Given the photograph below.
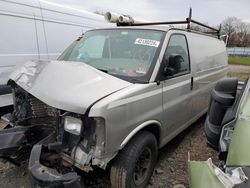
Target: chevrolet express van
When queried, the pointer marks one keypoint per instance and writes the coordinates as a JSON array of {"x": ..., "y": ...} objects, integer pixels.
[
  {"x": 37, "y": 29},
  {"x": 112, "y": 99}
]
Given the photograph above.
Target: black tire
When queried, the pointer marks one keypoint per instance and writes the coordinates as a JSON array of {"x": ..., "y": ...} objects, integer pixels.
[{"x": 126, "y": 168}]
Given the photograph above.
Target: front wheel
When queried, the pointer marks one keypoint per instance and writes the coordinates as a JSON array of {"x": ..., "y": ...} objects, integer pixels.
[{"x": 134, "y": 165}]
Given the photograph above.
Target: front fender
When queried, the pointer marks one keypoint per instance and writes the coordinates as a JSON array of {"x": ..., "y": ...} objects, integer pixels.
[{"x": 139, "y": 128}]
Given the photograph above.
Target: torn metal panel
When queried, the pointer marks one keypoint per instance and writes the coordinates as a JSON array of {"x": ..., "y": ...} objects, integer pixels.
[
  {"x": 11, "y": 140},
  {"x": 16, "y": 143},
  {"x": 206, "y": 175},
  {"x": 201, "y": 174},
  {"x": 246, "y": 184},
  {"x": 237, "y": 175},
  {"x": 71, "y": 86}
]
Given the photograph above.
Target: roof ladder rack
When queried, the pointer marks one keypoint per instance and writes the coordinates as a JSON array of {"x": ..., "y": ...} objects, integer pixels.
[{"x": 188, "y": 21}]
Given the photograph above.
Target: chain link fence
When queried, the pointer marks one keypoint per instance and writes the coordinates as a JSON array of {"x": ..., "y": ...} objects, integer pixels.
[{"x": 239, "y": 51}]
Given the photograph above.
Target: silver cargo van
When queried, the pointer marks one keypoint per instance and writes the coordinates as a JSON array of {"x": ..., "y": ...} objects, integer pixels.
[
  {"x": 113, "y": 98},
  {"x": 37, "y": 29}
]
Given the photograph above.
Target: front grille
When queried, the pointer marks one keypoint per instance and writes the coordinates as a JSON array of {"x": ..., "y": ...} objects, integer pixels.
[
  {"x": 40, "y": 109},
  {"x": 30, "y": 109}
]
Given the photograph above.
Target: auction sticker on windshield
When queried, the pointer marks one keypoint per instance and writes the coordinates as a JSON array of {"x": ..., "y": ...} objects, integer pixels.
[{"x": 147, "y": 42}]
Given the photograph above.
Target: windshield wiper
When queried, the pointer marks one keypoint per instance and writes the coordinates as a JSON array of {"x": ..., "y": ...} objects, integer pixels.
[
  {"x": 139, "y": 81},
  {"x": 103, "y": 70}
]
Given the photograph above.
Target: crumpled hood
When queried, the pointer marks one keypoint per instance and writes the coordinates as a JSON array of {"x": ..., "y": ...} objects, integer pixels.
[{"x": 71, "y": 86}]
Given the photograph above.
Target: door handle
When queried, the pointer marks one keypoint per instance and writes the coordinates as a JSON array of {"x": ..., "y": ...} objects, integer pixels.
[{"x": 192, "y": 83}]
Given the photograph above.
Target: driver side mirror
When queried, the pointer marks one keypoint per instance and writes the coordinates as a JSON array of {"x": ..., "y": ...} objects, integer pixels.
[
  {"x": 169, "y": 71},
  {"x": 173, "y": 65}
]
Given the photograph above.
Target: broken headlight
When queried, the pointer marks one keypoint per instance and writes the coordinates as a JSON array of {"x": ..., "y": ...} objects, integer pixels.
[{"x": 73, "y": 125}]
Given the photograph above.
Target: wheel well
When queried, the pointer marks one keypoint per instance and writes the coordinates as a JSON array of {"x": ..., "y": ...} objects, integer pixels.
[
  {"x": 155, "y": 130},
  {"x": 152, "y": 128}
]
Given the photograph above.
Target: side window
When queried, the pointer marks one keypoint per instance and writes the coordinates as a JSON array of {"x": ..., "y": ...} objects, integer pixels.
[{"x": 177, "y": 47}]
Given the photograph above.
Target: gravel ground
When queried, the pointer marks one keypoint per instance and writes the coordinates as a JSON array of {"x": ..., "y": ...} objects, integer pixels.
[
  {"x": 239, "y": 68},
  {"x": 240, "y": 71},
  {"x": 170, "y": 171}
]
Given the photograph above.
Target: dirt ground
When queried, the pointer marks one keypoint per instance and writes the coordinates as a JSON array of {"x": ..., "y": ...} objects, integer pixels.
[
  {"x": 240, "y": 71},
  {"x": 171, "y": 168},
  {"x": 170, "y": 171},
  {"x": 239, "y": 68}
]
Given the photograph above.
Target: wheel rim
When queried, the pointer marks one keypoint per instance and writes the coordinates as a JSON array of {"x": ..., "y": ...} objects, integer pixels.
[{"x": 142, "y": 166}]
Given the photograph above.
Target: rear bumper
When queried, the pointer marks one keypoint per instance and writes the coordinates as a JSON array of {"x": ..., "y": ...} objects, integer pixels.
[{"x": 48, "y": 177}]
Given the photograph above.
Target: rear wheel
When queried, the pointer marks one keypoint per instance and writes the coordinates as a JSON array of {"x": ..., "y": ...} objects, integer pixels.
[{"x": 134, "y": 165}]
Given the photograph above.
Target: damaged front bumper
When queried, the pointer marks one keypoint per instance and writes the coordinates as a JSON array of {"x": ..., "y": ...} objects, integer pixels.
[
  {"x": 43, "y": 133},
  {"x": 35, "y": 142},
  {"x": 16, "y": 143},
  {"x": 48, "y": 177}
]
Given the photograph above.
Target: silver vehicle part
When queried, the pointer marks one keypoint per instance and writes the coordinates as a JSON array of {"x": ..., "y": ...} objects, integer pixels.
[{"x": 34, "y": 77}]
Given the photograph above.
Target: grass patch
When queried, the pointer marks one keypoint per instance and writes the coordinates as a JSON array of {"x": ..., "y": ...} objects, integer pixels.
[{"x": 239, "y": 60}]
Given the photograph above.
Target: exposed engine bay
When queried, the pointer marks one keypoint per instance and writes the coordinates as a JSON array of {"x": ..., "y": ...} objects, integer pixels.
[{"x": 55, "y": 141}]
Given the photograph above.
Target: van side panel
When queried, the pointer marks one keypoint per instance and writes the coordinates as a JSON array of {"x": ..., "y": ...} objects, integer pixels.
[
  {"x": 206, "y": 52},
  {"x": 18, "y": 37},
  {"x": 209, "y": 64},
  {"x": 63, "y": 25}
]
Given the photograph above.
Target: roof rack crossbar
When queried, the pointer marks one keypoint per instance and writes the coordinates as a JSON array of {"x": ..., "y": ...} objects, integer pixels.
[
  {"x": 188, "y": 21},
  {"x": 203, "y": 25},
  {"x": 160, "y": 23},
  {"x": 211, "y": 32}
]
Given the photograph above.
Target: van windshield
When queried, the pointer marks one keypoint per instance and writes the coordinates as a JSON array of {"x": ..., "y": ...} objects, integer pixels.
[{"x": 124, "y": 53}]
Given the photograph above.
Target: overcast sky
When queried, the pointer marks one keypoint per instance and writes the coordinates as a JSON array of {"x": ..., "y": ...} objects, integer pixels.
[{"x": 209, "y": 11}]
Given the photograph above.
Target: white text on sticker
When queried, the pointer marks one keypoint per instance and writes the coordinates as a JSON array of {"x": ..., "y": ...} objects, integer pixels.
[{"x": 147, "y": 42}]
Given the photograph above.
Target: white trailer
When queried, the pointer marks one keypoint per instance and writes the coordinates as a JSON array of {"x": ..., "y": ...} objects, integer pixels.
[{"x": 37, "y": 29}]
